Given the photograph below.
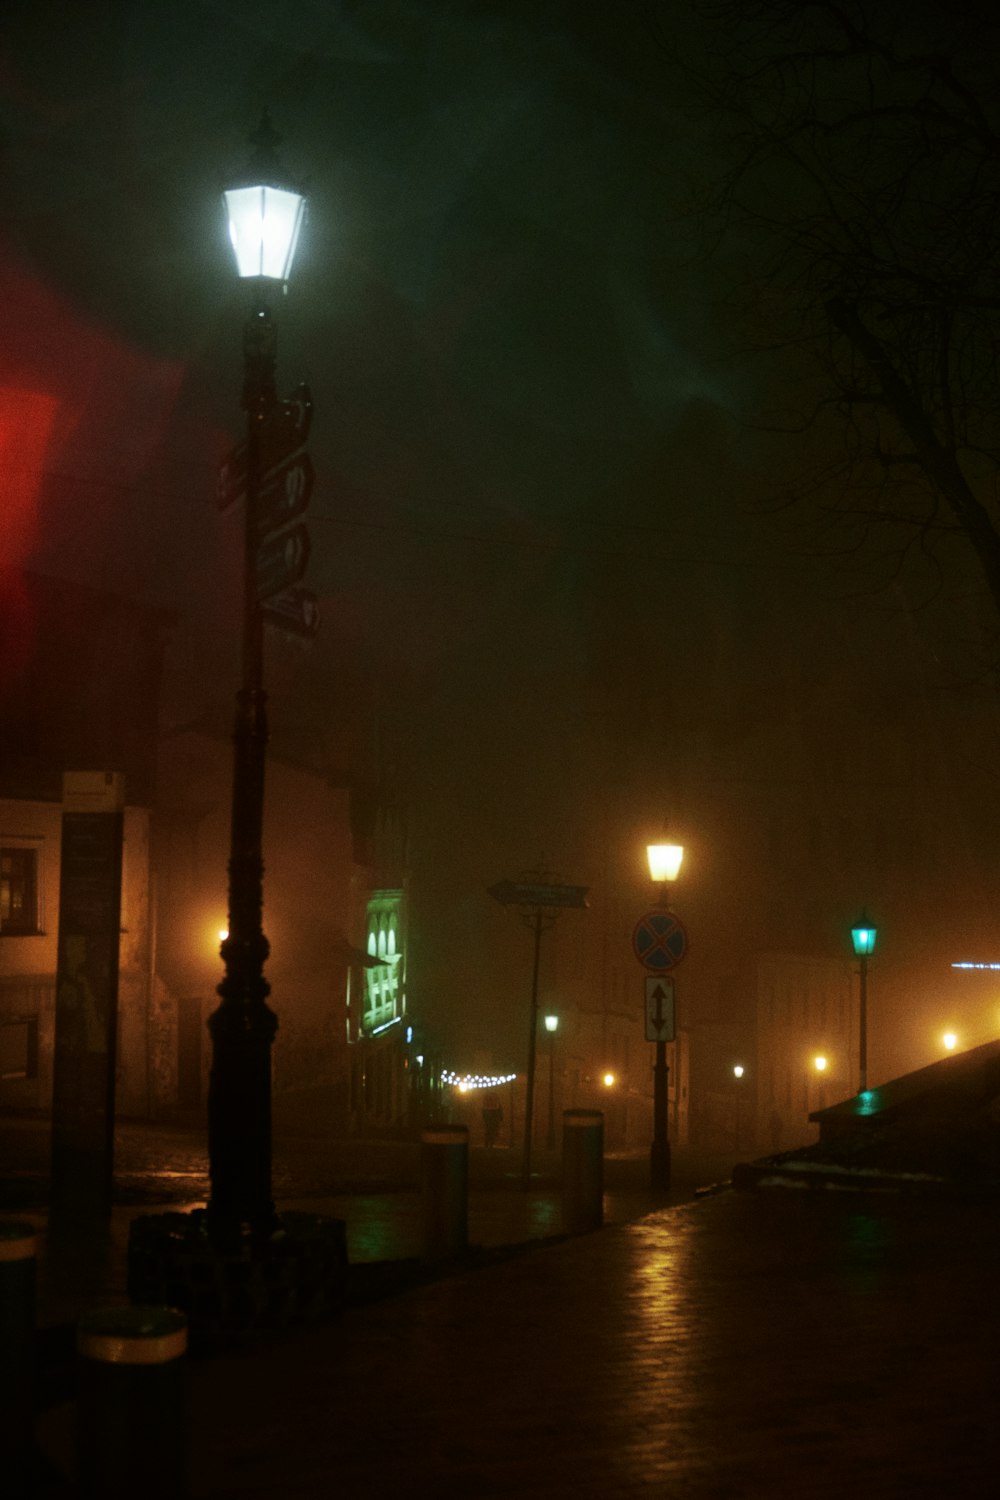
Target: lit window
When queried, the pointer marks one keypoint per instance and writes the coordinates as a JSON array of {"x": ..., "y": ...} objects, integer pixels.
[{"x": 18, "y": 891}]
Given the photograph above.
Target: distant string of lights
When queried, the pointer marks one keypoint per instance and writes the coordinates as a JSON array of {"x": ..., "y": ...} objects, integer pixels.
[
  {"x": 467, "y": 1082},
  {"x": 967, "y": 965}
]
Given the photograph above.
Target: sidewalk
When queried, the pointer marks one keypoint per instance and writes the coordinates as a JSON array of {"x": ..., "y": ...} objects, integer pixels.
[
  {"x": 805, "y": 1345},
  {"x": 372, "y": 1185}
]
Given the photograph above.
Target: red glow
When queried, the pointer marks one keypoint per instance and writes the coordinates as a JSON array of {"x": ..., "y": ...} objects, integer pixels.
[{"x": 26, "y": 422}]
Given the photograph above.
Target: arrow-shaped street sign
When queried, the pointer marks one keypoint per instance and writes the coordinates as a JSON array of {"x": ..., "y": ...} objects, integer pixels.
[
  {"x": 660, "y": 1010},
  {"x": 295, "y": 611},
  {"x": 528, "y": 893},
  {"x": 284, "y": 494},
  {"x": 284, "y": 430},
  {"x": 281, "y": 561}
]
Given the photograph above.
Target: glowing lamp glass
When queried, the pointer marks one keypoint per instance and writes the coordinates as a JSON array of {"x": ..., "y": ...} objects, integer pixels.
[
  {"x": 738, "y": 1070},
  {"x": 609, "y": 1080},
  {"x": 863, "y": 938},
  {"x": 551, "y": 1023},
  {"x": 264, "y": 224},
  {"x": 950, "y": 1041},
  {"x": 664, "y": 861},
  {"x": 819, "y": 1063}
]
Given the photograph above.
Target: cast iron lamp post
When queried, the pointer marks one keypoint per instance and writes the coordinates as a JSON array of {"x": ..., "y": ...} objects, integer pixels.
[
  {"x": 265, "y": 215},
  {"x": 863, "y": 937},
  {"x": 664, "y": 866}
]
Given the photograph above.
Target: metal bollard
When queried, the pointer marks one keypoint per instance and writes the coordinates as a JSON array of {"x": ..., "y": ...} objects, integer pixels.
[
  {"x": 17, "y": 1333},
  {"x": 583, "y": 1170},
  {"x": 132, "y": 1437},
  {"x": 444, "y": 1163}
]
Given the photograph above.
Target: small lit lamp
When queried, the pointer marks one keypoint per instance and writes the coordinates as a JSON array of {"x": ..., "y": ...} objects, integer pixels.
[
  {"x": 265, "y": 212},
  {"x": 950, "y": 1041},
  {"x": 863, "y": 936},
  {"x": 664, "y": 863}
]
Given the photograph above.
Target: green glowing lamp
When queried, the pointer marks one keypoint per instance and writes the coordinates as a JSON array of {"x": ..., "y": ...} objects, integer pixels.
[{"x": 863, "y": 937}]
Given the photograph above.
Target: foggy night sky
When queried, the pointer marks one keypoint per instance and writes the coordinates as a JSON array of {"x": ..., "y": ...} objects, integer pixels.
[{"x": 529, "y": 415}]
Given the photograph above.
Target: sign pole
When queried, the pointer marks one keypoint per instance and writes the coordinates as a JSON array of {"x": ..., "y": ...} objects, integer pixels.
[
  {"x": 540, "y": 899},
  {"x": 529, "y": 1108},
  {"x": 659, "y": 1151}
]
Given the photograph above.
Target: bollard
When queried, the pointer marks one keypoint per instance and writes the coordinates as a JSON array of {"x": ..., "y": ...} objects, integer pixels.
[
  {"x": 17, "y": 1335},
  {"x": 132, "y": 1436},
  {"x": 444, "y": 1163},
  {"x": 583, "y": 1170}
]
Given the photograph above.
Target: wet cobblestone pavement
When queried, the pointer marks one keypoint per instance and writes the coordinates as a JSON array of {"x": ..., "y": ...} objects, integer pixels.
[
  {"x": 746, "y": 1345},
  {"x": 794, "y": 1344}
]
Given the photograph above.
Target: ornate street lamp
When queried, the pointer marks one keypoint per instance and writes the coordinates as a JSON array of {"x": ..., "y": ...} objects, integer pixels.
[
  {"x": 863, "y": 937},
  {"x": 265, "y": 215},
  {"x": 664, "y": 861}
]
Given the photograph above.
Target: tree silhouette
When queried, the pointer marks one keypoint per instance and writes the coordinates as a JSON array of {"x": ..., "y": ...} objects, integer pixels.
[{"x": 860, "y": 193}]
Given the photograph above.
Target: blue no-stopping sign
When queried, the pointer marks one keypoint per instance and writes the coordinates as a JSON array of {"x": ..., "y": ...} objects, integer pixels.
[{"x": 659, "y": 941}]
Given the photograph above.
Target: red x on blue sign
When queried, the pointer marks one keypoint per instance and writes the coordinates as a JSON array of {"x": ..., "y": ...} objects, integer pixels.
[{"x": 659, "y": 941}]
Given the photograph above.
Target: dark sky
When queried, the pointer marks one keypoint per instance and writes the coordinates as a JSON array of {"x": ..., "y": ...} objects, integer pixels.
[{"x": 534, "y": 482}]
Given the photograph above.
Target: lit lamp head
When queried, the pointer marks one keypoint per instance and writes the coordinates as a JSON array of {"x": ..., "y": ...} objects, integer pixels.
[
  {"x": 551, "y": 1023},
  {"x": 664, "y": 862},
  {"x": 265, "y": 212},
  {"x": 863, "y": 937}
]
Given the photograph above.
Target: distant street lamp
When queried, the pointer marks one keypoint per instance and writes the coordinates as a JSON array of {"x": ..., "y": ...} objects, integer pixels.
[
  {"x": 950, "y": 1041},
  {"x": 664, "y": 866},
  {"x": 863, "y": 937},
  {"x": 551, "y": 1027},
  {"x": 265, "y": 215}
]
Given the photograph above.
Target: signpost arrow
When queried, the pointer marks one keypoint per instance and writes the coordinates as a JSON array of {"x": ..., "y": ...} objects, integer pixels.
[
  {"x": 526, "y": 893},
  {"x": 281, "y": 561},
  {"x": 660, "y": 1012},
  {"x": 296, "y": 611},
  {"x": 285, "y": 430},
  {"x": 285, "y": 494}
]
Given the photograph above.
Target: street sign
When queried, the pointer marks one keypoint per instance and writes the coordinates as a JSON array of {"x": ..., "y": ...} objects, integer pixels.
[
  {"x": 296, "y": 611},
  {"x": 529, "y": 893},
  {"x": 660, "y": 1009},
  {"x": 284, "y": 494},
  {"x": 281, "y": 561},
  {"x": 283, "y": 431},
  {"x": 659, "y": 941}
]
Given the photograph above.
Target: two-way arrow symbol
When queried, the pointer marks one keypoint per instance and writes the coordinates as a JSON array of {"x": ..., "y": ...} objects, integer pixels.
[{"x": 660, "y": 1009}]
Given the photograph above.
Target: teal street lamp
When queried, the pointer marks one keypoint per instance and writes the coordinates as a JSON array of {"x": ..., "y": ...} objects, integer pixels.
[{"x": 863, "y": 937}]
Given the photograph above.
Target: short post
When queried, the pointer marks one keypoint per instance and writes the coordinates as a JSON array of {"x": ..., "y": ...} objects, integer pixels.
[
  {"x": 583, "y": 1170},
  {"x": 17, "y": 1332},
  {"x": 444, "y": 1175},
  {"x": 132, "y": 1436}
]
